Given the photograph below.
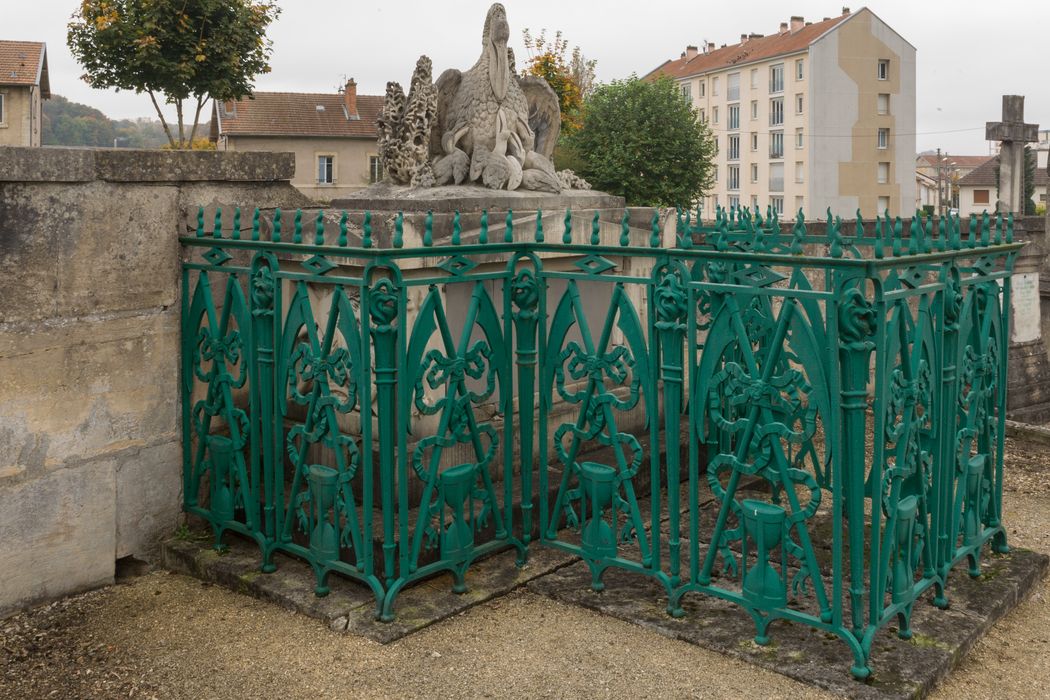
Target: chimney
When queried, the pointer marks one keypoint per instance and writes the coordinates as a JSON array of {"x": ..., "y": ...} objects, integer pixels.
[
  {"x": 845, "y": 10},
  {"x": 743, "y": 38},
  {"x": 797, "y": 23},
  {"x": 783, "y": 27},
  {"x": 691, "y": 51},
  {"x": 710, "y": 46},
  {"x": 350, "y": 99}
]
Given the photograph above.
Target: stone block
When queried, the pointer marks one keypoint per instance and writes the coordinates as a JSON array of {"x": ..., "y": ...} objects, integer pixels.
[
  {"x": 72, "y": 393},
  {"x": 57, "y": 533},
  {"x": 149, "y": 498}
]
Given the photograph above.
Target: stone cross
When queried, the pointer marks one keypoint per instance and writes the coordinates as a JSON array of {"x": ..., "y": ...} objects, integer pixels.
[{"x": 1013, "y": 134}]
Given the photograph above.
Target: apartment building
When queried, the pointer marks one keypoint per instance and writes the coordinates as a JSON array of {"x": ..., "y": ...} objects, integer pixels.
[{"x": 817, "y": 115}]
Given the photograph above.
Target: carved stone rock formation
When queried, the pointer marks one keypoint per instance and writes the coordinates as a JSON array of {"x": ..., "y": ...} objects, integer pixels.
[
  {"x": 571, "y": 181},
  {"x": 405, "y": 126}
]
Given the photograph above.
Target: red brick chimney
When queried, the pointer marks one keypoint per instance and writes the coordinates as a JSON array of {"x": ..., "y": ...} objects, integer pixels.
[{"x": 350, "y": 99}]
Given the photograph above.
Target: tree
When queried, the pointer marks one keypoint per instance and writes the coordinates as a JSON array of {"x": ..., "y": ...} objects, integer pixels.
[
  {"x": 641, "y": 140},
  {"x": 186, "y": 51},
  {"x": 572, "y": 78}
]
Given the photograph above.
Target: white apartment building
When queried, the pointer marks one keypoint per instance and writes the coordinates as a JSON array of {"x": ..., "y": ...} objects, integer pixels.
[{"x": 817, "y": 115}]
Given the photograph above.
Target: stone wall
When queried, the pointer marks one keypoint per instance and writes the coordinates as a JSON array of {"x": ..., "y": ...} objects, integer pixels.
[{"x": 90, "y": 455}]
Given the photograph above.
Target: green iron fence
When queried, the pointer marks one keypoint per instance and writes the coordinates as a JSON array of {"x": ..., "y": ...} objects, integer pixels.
[{"x": 807, "y": 425}]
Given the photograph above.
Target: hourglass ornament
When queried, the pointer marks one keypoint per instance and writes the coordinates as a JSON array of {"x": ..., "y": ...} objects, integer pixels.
[
  {"x": 324, "y": 540},
  {"x": 457, "y": 540},
  {"x": 598, "y": 537},
  {"x": 764, "y": 525}
]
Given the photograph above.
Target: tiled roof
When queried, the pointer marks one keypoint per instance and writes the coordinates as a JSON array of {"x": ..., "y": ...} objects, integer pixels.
[
  {"x": 24, "y": 63},
  {"x": 960, "y": 162},
  {"x": 984, "y": 176},
  {"x": 755, "y": 49},
  {"x": 297, "y": 114}
]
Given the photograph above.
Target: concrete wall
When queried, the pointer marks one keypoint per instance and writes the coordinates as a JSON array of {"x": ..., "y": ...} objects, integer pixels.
[
  {"x": 90, "y": 455},
  {"x": 351, "y": 164}
]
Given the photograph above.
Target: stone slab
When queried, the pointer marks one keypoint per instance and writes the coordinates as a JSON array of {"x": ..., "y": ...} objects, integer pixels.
[
  {"x": 350, "y": 607},
  {"x": 901, "y": 669},
  {"x": 54, "y": 164},
  {"x": 387, "y": 197}
]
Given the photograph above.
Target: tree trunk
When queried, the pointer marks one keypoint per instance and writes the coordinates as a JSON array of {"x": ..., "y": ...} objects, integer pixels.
[
  {"x": 201, "y": 101},
  {"x": 163, "y": 121}
]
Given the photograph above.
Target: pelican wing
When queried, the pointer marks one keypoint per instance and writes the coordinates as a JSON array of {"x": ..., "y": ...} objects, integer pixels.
[
  {"x": 446, "y": 86},
  {"x": 544, "y": 113}
]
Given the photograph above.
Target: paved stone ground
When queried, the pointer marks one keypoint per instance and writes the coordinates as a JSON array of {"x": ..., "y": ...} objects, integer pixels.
[{"x": 169, "y": 636}]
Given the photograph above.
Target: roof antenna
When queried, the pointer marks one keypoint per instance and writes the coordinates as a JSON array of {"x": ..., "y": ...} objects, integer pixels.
[{"x": 342, "y": 86}]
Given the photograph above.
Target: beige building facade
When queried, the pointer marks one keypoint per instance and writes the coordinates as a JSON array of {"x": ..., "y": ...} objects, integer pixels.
[
  {"x": 24, "y": 83},
  {"x": 333, "y": 136},
  {"x": 816, "y": 116}
]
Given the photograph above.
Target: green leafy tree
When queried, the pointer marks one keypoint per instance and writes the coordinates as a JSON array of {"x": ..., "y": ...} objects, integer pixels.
[
  {"x": 184, "y": 52},
  {"x": 641, "y": 140},
  {"x": 571, "y": 76}
]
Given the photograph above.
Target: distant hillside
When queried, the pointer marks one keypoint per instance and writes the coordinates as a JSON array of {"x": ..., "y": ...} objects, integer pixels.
[{"x": 73, "y": 124}]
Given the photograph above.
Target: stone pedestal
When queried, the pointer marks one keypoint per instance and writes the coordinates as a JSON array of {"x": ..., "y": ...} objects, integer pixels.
[{"x": 1028, "y": 378}]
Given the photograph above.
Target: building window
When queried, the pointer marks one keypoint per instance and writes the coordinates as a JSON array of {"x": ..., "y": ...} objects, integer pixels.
[
  {"x": 733, "y": 177},
  {"x": 734, "y": 117},
  {"x": 754, "y": 172},
  {"x": 884, "y": 173},
  {"x": 884, "y": 204},
  {"x": 687, "y": 92},
  {"x": 980, "y": 196},
  {"x": 884, "y": 138},
  {"x": 375, "y": 169},
  {"x": 754, "y": 140},
  {"x": 798, "y": 137},
  {"x": 778, "y": 205},
  {"x": 800, "y": 71},
  {"x": 776, "y": 78},
  {"x": 3, "y": 109},
  {"x": 884, "y": 103},
  {"x": 715, "y": 141},
  {"x": 754, "y": 78},
  {"x": 703, "y": 116},
  {"x": 714, "y": 86},
  {"x": 800, "y": 203},
  {"x": 884, "y": 69},
  {"x": 733, "y": 147},
  {"x": 714, "y": 114},
  {"x": 776, "y": 111},
  {"x": 754, "y": 202},
  {"x": 800, "y": 171},
  {"x": 733, "y": 87},
  {"x": 715, "y": 177},
  {"x": 702, "y": 90},
  {"x": 798, "y": 104},
  {"x": 776, "y": 177},
  {"x": 734, "y": 202},
  {"x": 325, "y": 170},
  {"x": 754, "y": 110},
  {"x": 776, "y": 144}
]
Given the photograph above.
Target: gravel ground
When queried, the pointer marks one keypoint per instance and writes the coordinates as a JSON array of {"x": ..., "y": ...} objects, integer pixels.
[{"x": 168, "y": 636}]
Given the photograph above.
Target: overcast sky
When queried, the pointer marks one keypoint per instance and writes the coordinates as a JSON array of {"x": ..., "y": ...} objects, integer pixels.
[{"x": 967, "y": 55}]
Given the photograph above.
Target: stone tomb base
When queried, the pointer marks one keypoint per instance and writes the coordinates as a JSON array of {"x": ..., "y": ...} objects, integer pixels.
[{"x": 900, "y": 669}]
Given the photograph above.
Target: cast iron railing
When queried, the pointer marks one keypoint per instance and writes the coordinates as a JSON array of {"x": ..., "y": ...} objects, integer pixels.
[{"x": 809, "y": 426}]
